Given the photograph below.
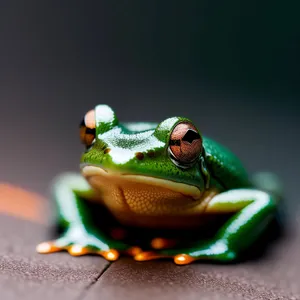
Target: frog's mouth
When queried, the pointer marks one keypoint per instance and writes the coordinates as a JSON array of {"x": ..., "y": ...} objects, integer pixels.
[
  {"x": 145, "y": 201},
  {"x": 95, "y": 174}
]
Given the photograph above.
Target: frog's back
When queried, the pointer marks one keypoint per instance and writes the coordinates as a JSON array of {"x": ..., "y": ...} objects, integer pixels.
[{"x": 224, "y": 166}]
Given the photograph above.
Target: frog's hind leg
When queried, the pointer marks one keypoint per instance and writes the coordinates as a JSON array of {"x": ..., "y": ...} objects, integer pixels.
[
  {"x": 254, "y": 211},
  {"x": 79, "y": 236}
]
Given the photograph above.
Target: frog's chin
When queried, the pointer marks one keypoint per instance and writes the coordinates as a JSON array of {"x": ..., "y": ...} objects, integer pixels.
[{"x": 91, "y": 172}]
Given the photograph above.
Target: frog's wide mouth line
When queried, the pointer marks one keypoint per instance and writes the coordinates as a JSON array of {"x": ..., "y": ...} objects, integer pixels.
[{"x": 185, "y": 189}]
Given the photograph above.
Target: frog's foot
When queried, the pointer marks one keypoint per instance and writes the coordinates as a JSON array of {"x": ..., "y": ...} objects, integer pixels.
[
  {"x": 216, "y": 251},
  {"x": 79, "y": 242},
  {"x": 157, "y": 244},
  {"x": 76, "y": 250},
  {"x": 179, "y": 259},
  {"x": 150, "y": 255},
  {"x": 185, "y": 259}
]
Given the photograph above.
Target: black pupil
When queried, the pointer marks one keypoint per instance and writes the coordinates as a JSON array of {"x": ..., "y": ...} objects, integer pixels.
[{"x": 190, "y": 136}]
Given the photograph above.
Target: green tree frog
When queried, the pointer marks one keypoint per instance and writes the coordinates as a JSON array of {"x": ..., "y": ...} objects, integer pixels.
[{"x": 157, "y": 191}]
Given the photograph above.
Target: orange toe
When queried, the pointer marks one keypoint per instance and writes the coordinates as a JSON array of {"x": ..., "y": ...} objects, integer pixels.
[
  {"x": 183, "y": 259},
  {"x": 149, "y": 255},
  {"x": 110, "y": 255},
  {"x": 77, "y": 250},
  {"x": 47, "y": 247}
]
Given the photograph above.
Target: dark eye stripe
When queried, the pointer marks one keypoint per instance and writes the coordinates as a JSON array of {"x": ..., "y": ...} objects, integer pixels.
[
  {"x": 90, "y": 131},
  {"x": 87, "y": 135}
]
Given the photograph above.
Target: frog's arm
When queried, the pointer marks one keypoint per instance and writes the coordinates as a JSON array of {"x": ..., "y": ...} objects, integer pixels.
[
  {"x": 254, "y": 211},
  {"x": 70, "y": 192},
  {"x": 224, "y": 166}
]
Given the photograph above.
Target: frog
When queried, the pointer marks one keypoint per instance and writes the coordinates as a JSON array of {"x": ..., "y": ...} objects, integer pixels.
[{"x": 156, "y": 178}]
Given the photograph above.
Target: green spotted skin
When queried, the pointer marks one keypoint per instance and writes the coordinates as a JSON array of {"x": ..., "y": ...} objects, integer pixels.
[{"x": 143, "y": 149}]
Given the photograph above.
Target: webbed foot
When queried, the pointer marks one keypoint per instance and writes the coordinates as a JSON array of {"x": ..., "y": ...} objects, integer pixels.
[
  {"x": 76, "y": 250},
  {"x": 179, "y": 259},
  {"x": 215, "y": 251},
  {"x": 79, "y": 242}
]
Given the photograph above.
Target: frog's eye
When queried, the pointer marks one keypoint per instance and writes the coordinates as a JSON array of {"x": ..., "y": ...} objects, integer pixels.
[
  {"x": 88, "y": 128},
  {"x": 185, "y": 144}
]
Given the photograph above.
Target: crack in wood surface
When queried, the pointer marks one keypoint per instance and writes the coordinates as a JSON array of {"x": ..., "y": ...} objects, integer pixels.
[{"x": 84, "y": 293}]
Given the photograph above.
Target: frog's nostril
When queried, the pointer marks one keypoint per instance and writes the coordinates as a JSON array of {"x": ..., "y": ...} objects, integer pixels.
[
  {"x": 139, "y": 155},
  {"x": 107, "y": 150}
]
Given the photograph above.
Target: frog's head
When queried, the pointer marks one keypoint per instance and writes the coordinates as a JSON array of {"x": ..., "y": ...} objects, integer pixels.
[{"x": 165, "y": 155}]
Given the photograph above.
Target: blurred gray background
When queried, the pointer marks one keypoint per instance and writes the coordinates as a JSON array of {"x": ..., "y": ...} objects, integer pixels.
[{"x": 233, "y": 68}]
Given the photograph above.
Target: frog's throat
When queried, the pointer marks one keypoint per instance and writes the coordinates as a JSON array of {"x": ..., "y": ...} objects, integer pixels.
[{"x": 185, "y": 189}]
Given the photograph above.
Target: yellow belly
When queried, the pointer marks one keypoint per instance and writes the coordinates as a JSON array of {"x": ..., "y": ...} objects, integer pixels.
[{"x": 148, "y": 202}]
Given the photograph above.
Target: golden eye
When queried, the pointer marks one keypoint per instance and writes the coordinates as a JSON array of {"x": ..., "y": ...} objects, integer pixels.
[
  {"x": 88, "y": 128},
  {"x": 185, "y": 143}
]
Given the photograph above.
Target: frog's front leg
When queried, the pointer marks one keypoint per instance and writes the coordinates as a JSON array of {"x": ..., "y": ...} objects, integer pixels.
[
  {"x": 254, "y": 211},
  {"x": 79, "y": 236}
]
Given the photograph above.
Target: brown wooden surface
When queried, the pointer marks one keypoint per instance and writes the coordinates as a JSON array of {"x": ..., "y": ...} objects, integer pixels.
[{"x": 24, "y": 274}]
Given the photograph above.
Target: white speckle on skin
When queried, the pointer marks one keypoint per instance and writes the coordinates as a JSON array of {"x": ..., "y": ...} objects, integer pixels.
[
  {"x": 140, "y": 126},
  {"x": 120, "y": 155},
  {"x": 124, "y": 146}
]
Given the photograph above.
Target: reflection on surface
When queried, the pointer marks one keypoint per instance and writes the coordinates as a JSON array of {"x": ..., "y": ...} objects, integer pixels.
[{"x": 20, "y": 203}]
